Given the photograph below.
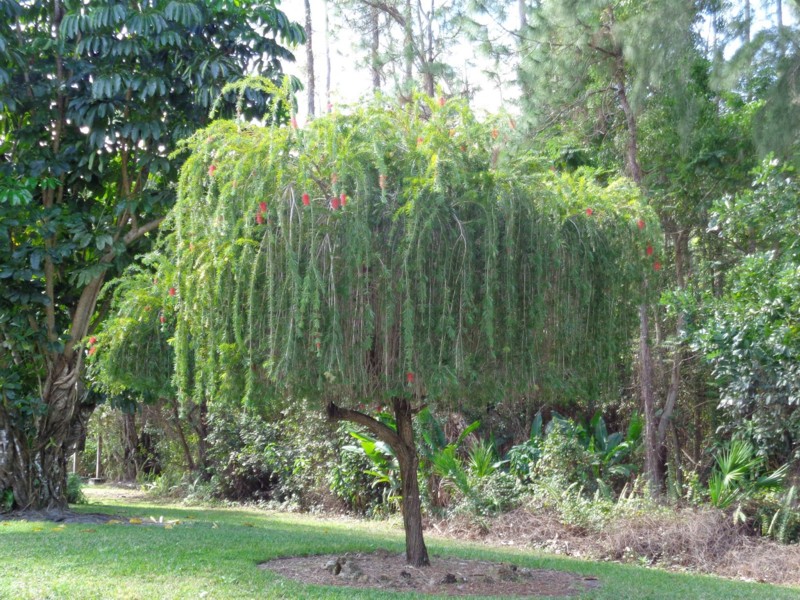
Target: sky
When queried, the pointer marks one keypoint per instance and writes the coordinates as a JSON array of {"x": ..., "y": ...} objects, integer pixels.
[{"x": 349, "y": 83}]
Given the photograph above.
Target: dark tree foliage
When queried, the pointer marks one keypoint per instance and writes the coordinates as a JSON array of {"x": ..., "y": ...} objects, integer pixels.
[{"x": 93, "y": 98}]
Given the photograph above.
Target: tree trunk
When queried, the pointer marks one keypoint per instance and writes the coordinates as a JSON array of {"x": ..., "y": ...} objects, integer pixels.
[
  {"x": 310, "y": 61},
  {"x": 652, "y": 454},
  {"x": 374, "y": 50},
  {"x": 33, "y": 459},
  {"x": 187, "y": 453},
  {"x": 416, "y": 552},
  {"x": 408, "y": 49},
  {"x": 131, "y": 444},
  {"x": 402, "y": 444},
  {"x": 327, "y": 59}
]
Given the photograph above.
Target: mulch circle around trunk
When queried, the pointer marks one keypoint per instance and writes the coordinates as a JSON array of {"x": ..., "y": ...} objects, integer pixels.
[
  {"x": 384, "y": 570},
  {"x": 57, "y": 516}
]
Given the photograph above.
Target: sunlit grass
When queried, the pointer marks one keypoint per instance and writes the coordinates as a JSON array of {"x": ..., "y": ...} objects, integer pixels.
[{"x": 214, "y": 553}]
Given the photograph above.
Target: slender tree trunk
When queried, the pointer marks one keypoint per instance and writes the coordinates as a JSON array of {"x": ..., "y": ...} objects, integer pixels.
[
  {"x": 747, "y": 21},
  {"x": 408, "y": 48},
  {"x": 98, "y": 459},
  {"x": 187, "y": 453},
  {"x": 327, "y": 58},
  {"x": 652, "y": 456},
  {"x": 430, "y": 82},
  {"x": 375, "y": 46},
  {"x": 403, "y": 445},
  {"x": 310, "y": 61}
]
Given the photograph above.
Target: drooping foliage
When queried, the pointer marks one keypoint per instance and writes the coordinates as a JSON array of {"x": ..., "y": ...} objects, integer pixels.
[{"x": 399, "y": 250}]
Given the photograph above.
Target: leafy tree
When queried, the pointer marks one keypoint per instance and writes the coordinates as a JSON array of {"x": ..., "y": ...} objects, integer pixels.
[
  {"x": 749, "y": 332},
  {"x": 93, "y": 98},
  {"x": 386, "y": 257}
]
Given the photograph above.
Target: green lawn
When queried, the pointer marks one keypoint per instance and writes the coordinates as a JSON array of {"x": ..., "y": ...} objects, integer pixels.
[{"x": 214, "y": 553}]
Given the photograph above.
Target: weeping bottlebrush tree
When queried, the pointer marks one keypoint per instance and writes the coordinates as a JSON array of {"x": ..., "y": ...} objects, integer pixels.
[{"x": 400, "y": 255}]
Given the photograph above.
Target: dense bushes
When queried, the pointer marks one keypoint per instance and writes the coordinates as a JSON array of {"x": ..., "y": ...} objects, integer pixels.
[{"x": 577, "y": 473}]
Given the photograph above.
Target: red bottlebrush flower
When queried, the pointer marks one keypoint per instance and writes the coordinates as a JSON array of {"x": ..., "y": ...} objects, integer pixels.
[
  {"x": 262, "y": 206},
  {"x": 92, "y": 350},
  {"x": 172, "y": 291},
  {"x": 318, "y": 345},
  {"x": 495, "y": 133},
  {"x": 382, "y": 181},
  {"x": 334, "y": 203},
  {"x": 649, "y": 250},
  {"x": 212, "y": 169},
  {"x": 306, "y": 200},
  {"x": 657, "y": 266},
  {"x": 641, "y": 224},
  {"x": 92, "y": 340},
  {"x": 420, "y": 139},
  {"x": 441, "y": 101},
  {"x": 589, "y": 212},
  {"x": 162, "y": 319},
  {"x": 334, "y": 178},
  {"x": 343, "y": 200},
  {"x": 410, "y": 377},
  {"x": 294, "y": 123},
  {"x": 260, "y": 219}
]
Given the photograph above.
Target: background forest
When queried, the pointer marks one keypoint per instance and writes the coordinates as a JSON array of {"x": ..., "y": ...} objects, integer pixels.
[{"x": 179, "y": 308}]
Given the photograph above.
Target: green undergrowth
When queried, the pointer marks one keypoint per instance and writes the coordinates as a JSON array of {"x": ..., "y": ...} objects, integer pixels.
[{"x": 214, "y": 553}]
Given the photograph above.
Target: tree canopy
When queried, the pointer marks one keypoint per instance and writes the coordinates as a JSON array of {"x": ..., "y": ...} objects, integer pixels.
[
  {"x": 392, "y": 251},
  {"x": 93, "y": 98}
]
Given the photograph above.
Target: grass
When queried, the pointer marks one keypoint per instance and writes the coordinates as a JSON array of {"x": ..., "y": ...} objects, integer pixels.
[{"x": 214, "y": 553}]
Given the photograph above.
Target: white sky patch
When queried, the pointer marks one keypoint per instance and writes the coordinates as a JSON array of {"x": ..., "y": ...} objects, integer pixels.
[{"x": 351, "y": 82}]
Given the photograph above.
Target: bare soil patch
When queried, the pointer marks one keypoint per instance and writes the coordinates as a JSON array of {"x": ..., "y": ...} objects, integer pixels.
[{"x": 384, "y": 570}]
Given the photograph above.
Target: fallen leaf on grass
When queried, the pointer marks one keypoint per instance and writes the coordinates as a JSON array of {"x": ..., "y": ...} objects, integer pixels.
[
  {"x": 38, "y": 529},
  {"x": 135, "y": 521},
  {"x": 113, "y": 522}
]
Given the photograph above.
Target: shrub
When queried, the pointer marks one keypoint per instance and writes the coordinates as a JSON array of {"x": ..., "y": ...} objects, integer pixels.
[{"x": 74, "y": 489}]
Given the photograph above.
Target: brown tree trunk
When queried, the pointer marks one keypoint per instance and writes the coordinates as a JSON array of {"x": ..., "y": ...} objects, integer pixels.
[
  {"x": 416, "y": 552},
  {"x": 131, "y": 445},
  {"x": 402, "y": 444},
  {"x": 187, "y": 453},
  {"x": 652, "y": 455},
  {"x": 34, "y": 466}
]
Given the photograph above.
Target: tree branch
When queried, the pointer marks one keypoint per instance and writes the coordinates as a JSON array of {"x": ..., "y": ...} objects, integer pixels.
[
  {"x": 381, "y": 431},
  {"x": 136, "y": 233}
]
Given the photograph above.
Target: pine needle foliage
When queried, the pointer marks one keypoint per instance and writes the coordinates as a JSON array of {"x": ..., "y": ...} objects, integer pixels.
[{"x": 429, "y": 259}]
